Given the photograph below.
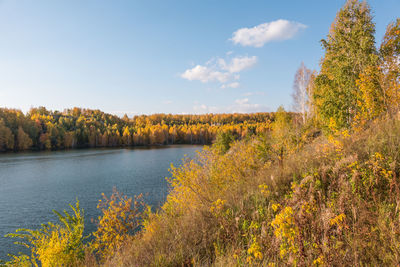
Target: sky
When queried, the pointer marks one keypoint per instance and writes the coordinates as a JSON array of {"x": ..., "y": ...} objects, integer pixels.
[{"x": 157, "y": 56}]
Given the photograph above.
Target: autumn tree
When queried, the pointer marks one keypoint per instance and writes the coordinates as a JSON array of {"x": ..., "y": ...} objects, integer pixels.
[
  {"x": 379, "y": 83},
  {"x": 302, "y": 91},
  {"x": 23, "y": 140},
  {"x": 370, "y": 101},
  {"x": 349, "y": 49},
  {"x": 6, "y": 137},
  {"x": 92, "y": 138},
  {"x": 172, "y": 133},
  {"x": 390, "y": 66},
  {"x": 126, "y": 137},
  {"x": 45, "y": 141},
  {"x": 104, "y": 139},
  {"x": 69, "y": 140},
  {"x": 282, "y": 134},
  {"x": 157, "y": 135},
  {"x": 189, "y": 136}
]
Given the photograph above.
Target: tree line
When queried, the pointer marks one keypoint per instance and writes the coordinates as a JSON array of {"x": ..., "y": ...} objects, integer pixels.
[{"x": 42, "y": 129}]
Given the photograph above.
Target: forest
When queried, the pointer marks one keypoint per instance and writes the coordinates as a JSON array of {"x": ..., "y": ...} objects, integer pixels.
[
  {"x": 41, "y": 129},
  {"x": 318, "y": 188}
]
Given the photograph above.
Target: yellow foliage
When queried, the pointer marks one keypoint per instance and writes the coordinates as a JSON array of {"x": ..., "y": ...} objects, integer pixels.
[
  {"x": 286, "y": 231},
  {"x": 199, "y": 183},
  {"x": 371, "y": 98},
  {"x": 254, "y": 252},
  {"x": 275, "y": 207},
  {"x": 120, "y": 219},
  {"x": 332, "y": 125},
  {"x": 309, "y": 207},
  {"x": 54, "y": 245},
  {"x": 338, "y": 220},
  {"x": 217, "y": 206},
  {"x": 319, "y": 260},
  {"x": 264, "y": 190}
]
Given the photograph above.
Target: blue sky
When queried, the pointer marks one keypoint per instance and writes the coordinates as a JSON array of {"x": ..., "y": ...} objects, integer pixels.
[{"x": 143, "y": 57}]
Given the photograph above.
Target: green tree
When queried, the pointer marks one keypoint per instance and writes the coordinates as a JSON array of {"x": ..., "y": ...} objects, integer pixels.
[
  {"x": 349, "y": 49},
  {"x": 224, "y": 141}
]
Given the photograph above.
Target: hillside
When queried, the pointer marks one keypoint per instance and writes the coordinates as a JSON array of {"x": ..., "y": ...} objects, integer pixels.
[{"x": 332, "y": 202}]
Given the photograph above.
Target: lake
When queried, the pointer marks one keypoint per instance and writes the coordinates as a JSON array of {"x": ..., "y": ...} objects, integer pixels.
[{"x": 33, "y": 184}]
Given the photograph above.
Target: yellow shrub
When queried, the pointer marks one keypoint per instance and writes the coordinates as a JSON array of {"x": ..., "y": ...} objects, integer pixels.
[
  {"x": 286, "y": 231},
  {"x": 120, "y": 220},
  {"x": 54, "y": 245}
]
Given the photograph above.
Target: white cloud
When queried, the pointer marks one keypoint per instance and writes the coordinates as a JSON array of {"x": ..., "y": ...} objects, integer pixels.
[
  {"x": 253, "y": 93},
  {"x": 220, "y": 70},
  {"x": 230, "y": 85},
  {"x": 200, "y": 108},
  {"x": 167, "y": 102},
  {"x": 243, "y": 101},
  {"x": 205, "y": 74},
  {"x": 244, "y": 106},
  {"x": 238, "y": 64},
  {"x": 259, "y": 35}
]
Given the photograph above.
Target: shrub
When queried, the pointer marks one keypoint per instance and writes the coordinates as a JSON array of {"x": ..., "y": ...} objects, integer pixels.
[
  {"x": 120, "y": 219},
  {"x": 53, "y": 244}
]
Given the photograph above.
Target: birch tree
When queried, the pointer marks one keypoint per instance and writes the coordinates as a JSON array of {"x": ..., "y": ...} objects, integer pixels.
[{"x": 302, "y": 91}]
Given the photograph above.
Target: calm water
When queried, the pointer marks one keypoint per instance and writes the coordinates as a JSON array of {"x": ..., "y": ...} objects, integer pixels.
[{"x": 33, "y": 184}]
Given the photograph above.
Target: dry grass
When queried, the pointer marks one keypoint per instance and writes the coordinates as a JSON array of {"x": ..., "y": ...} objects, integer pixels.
[{"x": 333, "y": 202}]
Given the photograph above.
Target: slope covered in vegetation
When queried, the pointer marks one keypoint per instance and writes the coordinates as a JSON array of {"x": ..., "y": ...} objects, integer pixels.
[{"x": 333, "y": 202}]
